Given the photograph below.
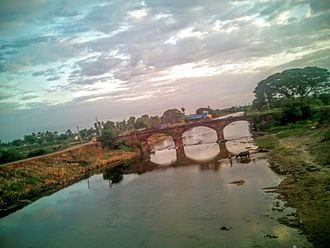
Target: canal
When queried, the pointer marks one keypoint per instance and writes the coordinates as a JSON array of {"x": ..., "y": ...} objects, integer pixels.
[{"x": 173, "y": 204}]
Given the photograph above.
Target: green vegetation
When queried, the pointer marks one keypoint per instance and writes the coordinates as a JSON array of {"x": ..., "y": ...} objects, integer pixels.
[
  {"x": 293, "y": 108},
  {"x": 290, "y": 84},
  {"x": 41, "y": 143},
  {"x": 267, "y": 142}
]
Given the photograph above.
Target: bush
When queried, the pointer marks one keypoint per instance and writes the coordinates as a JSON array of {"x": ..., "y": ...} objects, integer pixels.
[
  {"x": 295, "y": 109},
  {"x": 7, "y": 156},
  {"x": 120, "y": 145},
  {"x": 325, "y": 98},
  {"x": 37, "y": 152}
]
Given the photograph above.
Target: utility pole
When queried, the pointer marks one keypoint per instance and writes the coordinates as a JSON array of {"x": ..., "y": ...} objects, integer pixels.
[{"x": 79, "y": 135}]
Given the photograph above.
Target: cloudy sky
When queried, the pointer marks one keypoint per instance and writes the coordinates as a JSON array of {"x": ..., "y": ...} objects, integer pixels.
[{"x": 65, "y": 62}]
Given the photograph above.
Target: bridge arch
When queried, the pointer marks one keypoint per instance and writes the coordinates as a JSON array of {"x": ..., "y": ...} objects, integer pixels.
[
  {"x": 196, "y": 139},
  {"x": 145, "y": 137},
  {"x": 153, "y": 140},
  {"x": 191, "y": 129},
  {"x": 240, "y": 131},
  {"x": 198, "y": 125}
]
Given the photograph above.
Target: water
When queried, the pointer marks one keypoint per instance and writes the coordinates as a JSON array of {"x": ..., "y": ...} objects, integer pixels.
[{"x": 171, "y": 206}]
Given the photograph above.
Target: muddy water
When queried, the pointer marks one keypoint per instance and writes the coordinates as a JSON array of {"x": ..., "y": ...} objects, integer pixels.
[{"x": 171, "y": 206}]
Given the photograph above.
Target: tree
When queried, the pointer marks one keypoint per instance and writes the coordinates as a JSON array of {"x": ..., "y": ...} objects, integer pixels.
[
  {"x": 155, "y": 121},
  {"x": 172, "y": 116},
  {"x": 30, "y": 138},
  {"x": 183, "y": 110},
  {"x": 146, "y": 121},
  {"x": 139, "y": 123},
  {"x": 290, "y": 84},
  {"x": 130, "y": 123},
  {"x": 17, "y": 142},
  {"x": 106, "y": 137}
]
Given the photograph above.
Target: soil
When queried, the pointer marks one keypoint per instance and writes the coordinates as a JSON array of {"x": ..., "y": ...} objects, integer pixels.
[
  {"x": 306, "y": 186},
  {"x": 26, "y": 181}
]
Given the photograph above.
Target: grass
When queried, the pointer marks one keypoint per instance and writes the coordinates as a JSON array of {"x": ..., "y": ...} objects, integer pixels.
[
  {"x": 268, "y": 142},
  {"x": 301, "y": 152}
]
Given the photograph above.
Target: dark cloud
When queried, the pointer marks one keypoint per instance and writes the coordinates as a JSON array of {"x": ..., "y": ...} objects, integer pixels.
[
  {"x": 319, "y": 5},
  {"x": 53, "y": 78},
  {"x": 28, "y": 97},
  {"x": 97, "y": 66}
]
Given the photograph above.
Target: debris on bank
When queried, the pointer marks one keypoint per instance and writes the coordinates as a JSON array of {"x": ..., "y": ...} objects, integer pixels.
[{"x": 237, "y": 182}]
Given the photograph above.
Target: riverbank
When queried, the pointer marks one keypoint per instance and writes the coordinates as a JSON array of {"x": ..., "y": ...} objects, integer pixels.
[
  {"x": 301, "y": 153},
  {"x": 24, "y": 182}
]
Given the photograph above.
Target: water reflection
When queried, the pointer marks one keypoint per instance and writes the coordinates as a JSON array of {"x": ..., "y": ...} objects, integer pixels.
[
  {"x": 163, "y": 152},
  {"x": 113, "y": 174},
  {"x": 201, "y": 144},
  {"x": 239, "y": 137}
]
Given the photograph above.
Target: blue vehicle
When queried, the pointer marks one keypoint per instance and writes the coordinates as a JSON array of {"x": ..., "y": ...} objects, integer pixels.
[{"x": 197, "y": 117}]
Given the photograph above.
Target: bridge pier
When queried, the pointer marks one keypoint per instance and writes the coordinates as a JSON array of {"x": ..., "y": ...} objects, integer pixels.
[
  {"x": 220, "y": 135},
  {"x": 223, "y": 150},
  {"x": 179, "y": 148}
]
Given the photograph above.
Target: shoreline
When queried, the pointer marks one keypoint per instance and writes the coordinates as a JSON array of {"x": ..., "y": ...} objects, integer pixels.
[{"x": 305, "y": 187}]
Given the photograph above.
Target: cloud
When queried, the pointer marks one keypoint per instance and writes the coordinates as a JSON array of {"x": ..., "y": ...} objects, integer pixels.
[
  {"x": 28, "y": 97},
  {"x": 53, "y": 78},
  {"x": 152, "y": 52}
]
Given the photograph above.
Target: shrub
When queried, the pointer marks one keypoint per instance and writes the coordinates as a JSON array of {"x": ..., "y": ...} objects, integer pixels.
[
  {"x": 9, "y": 156},
  {"x": 295, "y": 109},
  {"x": 37, "y": 152}
]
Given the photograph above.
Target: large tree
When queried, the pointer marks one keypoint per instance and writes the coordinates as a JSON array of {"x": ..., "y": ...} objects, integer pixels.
[
  {"x": 292, "y": 83},
  {"x": 172, "y": 116}
]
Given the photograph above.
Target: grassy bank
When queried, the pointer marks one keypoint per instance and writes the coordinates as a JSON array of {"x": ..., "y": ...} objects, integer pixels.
[
  {"x": 24, "y": 182},
  {"x": 301, "y": 152}
]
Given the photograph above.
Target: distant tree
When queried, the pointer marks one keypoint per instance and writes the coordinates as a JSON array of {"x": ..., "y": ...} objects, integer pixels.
[
  {"x": 172, "y": 116},
  {"x": 290, "y": 84},
  {"x": 139, "y": 123},
  {"x": 106, "y": 137},
  {"x": 30, "y": 138},
  {"x": 17, "y": 142},
  {"x": 183, "y": 110},
  {"x": 155, "y": 121},
  {"x": 130, "y": 123},
  {"x": 146, "y": 121},
  {"x": 68, "y": 132}
]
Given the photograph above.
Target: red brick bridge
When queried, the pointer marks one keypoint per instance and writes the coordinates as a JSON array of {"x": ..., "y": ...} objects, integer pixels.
[{"x": 140, "y": 138}]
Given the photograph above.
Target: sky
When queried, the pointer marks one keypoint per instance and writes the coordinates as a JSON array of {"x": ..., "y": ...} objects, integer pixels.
[{"x": 64, "y": 63}]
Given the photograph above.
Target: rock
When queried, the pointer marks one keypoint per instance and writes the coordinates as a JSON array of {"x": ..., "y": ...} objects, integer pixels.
[
  {"x": 237, "y": 182},
  {"x": 224, "y": 228},
  {"x": 262, "y": 150},
  {"x": 271, "y": 236}
]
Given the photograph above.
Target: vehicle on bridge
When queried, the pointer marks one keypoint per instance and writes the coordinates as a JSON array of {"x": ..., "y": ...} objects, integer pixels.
[{"x": 197, "y": 117}]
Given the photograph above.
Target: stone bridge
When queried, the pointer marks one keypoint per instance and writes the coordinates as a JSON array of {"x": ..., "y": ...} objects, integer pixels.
[{"x": 139, "y": 139}]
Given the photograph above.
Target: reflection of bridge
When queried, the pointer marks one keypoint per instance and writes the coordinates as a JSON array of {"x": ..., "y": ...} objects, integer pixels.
[{"x": 139, "y": 138}]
